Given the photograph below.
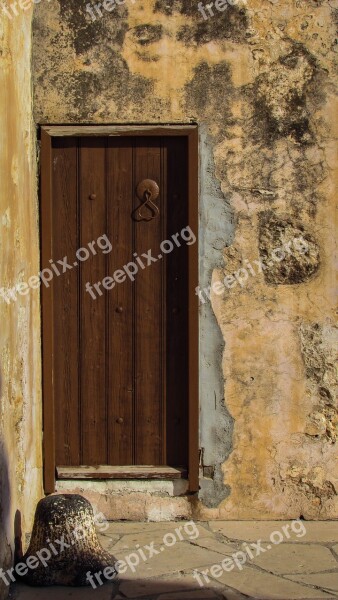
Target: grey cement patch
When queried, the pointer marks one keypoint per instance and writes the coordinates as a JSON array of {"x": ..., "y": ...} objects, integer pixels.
[{"x": 216, "y": 230}]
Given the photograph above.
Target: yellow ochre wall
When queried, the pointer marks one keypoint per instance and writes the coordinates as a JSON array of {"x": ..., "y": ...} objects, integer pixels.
[{"x": 20, "y": 394}]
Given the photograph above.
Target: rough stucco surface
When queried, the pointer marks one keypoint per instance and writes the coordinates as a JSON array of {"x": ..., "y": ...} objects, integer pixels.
[
  {"x": 20, "y": 394},
  {"x": 258, "y": 79}
]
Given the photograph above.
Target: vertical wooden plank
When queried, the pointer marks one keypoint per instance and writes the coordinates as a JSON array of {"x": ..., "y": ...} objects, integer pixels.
[
  {"x": 193, "y": 315},
  {"x": 47, "y": 316},
  {"x": 92, "y": 219},
  {"x": 163, "y": 330},
  {"x": 65, "y": 301},
  {"x": 149, "y": 397},
  {"x": 120, "y": 302},
  {"x": 177, "y": 305}
]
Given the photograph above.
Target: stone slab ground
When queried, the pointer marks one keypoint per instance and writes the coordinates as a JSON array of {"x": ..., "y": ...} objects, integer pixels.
[{"x": 213, "y": 560}]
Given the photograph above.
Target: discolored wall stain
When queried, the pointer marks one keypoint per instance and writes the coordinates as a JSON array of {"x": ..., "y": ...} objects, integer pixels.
[
  {"x": 284, "y": 98},
  {"x": 86, "y": 64},
  {"x": 318, "y": 344},
  {"x": 295, "y": 252}
]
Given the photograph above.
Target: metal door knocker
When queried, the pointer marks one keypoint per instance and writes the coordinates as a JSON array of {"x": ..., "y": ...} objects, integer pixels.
[{"x": 147, "y": 191}]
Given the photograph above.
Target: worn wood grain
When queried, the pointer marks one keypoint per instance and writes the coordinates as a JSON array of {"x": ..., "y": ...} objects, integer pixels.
[
  {"x": 117, "y": 130},
  {"x": 65, "y": 295},
  {"x": 120, "y": 304},
  {"x": 93, "y": 331},
  {"x": 149, "y": 393},
  {"x": 125, "y": 472}
]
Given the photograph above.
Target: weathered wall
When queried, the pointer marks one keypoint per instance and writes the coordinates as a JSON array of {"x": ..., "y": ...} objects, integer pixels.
[
  {"x": 20, "y": 393},
  {"x": 258, "y": 80}
]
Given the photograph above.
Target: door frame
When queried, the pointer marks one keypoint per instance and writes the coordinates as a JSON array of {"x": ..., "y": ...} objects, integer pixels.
[{"x": 47, "y": 132}]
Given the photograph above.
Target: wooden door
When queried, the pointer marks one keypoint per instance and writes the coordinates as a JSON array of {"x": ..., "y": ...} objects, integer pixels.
[{"x": 116, "y": 311}]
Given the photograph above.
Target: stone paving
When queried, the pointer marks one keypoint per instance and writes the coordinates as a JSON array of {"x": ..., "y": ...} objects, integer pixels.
[{"x": 215, "y": 560}]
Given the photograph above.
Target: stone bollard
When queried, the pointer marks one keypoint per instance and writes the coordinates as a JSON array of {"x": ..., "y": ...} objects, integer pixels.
[{"x": 64, "y": 546}]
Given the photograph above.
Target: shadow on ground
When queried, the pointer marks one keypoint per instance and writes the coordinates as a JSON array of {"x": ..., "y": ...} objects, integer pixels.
[{"x": 132, "y": 590}]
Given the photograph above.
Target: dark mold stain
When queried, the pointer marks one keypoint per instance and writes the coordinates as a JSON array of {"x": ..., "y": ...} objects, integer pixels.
[
  {"x": 325, "y": 394},
  {"x": 294, "y": 124},
  {"x": 88, "y": 90},
  {"x": 184, "y": 7},
  {"x": 325, "y": 492},
  {"x": 230, "y": 25},
  {"x": 108, "y": 29},
  {"x": 298, "y": 51},
  {"x": 147, "y": 34},
  {"x": 294, "y": 121},
  {"x": 210, "y": 91},
  {"x": 300, "y": 263}
]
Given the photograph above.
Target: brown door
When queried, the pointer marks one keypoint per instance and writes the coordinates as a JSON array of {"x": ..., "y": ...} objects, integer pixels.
[{"x": 117, "y": 306}]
